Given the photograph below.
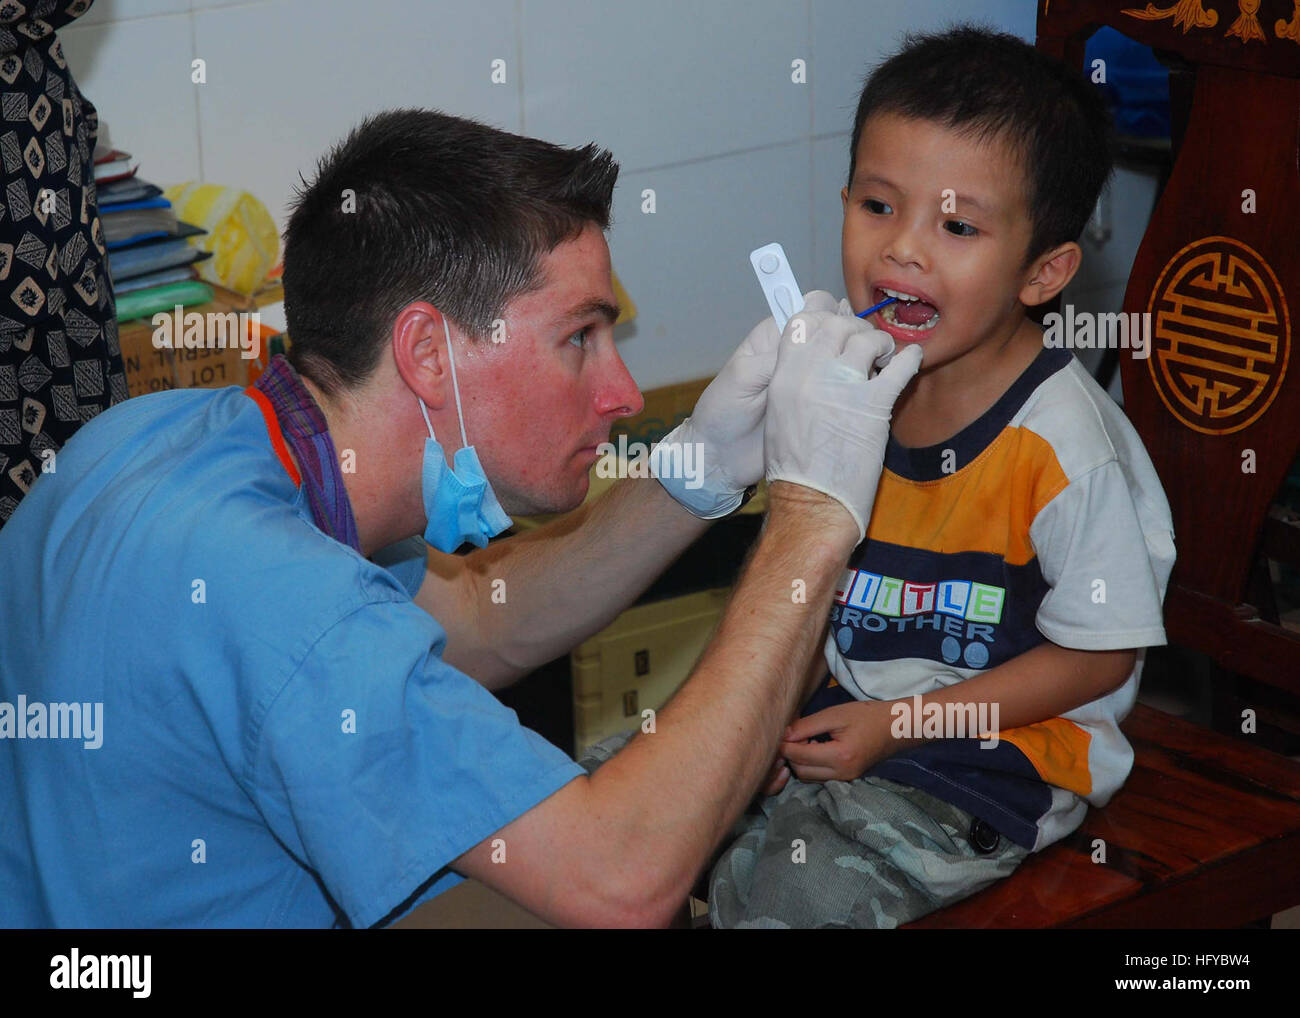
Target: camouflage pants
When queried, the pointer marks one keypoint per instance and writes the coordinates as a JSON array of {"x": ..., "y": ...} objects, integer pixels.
[
  {"x": 862, "y": 854},
  {"x": 875, "y": 854}
]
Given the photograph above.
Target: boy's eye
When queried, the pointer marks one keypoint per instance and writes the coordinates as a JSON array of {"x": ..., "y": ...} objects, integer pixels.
[
  {"x": 960, "y": 229},
  {"x": 878, "y": 208},
  {"x": 581, "y": 338}
]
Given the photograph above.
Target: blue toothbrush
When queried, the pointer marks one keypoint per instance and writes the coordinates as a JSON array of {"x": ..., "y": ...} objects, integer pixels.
[{"x": 876, "y": 307}]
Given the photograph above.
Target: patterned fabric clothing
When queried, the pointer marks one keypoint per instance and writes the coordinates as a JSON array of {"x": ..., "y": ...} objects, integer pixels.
[
  {"x": 864, "y": 854},
  {"x": 60, "y": 364},
  {"x": 1043, "y": 520},
  {"x": 867, "y": 854},
  {"x": 279, "y": 391}
]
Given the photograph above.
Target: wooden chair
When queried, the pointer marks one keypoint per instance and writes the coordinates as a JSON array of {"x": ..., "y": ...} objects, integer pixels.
[{"x": 1206, "y": 831}]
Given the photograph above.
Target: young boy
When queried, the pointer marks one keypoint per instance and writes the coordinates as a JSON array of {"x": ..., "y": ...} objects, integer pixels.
[{"x": 1020, "y": 544}]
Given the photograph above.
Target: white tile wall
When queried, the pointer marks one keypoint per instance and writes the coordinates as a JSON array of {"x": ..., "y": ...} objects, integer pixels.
[
  {"x": 106, "y": 11},
  {"x": 136, "y": 72},
  {"x": 694, "y": 99},
  {"x": 668, "y": 82},
  {"x": 849, "y": 37},
  {"x": 830, "y": 169},
  {"x": 687, "y": 266},
  {"x": 288, "y": 78}
]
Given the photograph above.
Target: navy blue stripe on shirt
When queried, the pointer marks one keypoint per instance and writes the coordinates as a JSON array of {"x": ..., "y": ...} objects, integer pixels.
[
  {"x": 951, "y": 637},
  {"x": 999, "y": 784},
  {"x": 926, "y": 463}
]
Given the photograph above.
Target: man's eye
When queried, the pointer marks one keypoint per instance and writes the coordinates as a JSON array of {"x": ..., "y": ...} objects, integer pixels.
[
  {"x": 581, "y": 338},
  {"x": 878, "y": 208},
  {"x": 960, "y": 229}
]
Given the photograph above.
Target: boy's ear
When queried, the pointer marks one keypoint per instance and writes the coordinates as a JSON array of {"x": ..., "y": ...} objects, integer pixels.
[
  {"x": 1050, "y": 273},
  {"x": 844, "y": 199}
]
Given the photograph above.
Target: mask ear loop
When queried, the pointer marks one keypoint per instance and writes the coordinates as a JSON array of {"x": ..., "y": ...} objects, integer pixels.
[
  {"x": 426, "y": 419},
  {"x": 455, "y": 388}
]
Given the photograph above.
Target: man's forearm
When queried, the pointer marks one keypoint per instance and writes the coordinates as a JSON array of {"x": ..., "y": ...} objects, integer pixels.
[
  {"x": 529, "y": 599},
  {"x": 638, "y": 831},
  {"x": 713, "y": 742}
]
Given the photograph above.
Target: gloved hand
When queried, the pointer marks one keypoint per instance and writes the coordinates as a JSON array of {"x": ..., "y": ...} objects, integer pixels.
[
  {"x": 728, "y": 425},
  {"x": 828, "y": 421}
]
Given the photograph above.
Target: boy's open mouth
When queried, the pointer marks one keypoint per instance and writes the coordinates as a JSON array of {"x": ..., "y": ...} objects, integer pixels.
[{"x": 909, "y": 312}]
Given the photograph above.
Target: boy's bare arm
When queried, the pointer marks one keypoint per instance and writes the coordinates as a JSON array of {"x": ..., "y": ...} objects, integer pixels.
[
  {"x": 1042, "y": 683},
  {"x": 1039, "y": 684}
]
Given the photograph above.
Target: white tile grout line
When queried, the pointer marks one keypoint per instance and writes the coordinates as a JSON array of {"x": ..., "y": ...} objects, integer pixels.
[
  {"x": 696, "y": 160},
  {"x": 519, "y": 65},
  {"x": 198, "y": 112},
  {"x": 812, "y": 110},
  {"x": 104, "y": 22}
]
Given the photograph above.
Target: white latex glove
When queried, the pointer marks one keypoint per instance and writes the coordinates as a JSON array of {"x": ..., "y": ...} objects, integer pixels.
[
  {"x": 727, "y": 425},
  {"x": 827, "y": 417}
]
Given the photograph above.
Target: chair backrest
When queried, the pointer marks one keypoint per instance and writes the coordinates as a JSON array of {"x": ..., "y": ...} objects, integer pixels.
[{"x": 1218, "y": 273}]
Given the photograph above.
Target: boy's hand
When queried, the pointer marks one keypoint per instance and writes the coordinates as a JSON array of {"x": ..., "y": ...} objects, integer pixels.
[{"x": 860, "y": 739}]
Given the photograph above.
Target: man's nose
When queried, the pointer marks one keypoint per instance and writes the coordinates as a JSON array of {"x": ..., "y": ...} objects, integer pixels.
[{"x": 616, "y": 392}]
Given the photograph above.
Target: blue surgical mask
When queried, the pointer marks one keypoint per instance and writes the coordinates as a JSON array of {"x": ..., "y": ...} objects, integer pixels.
[{"x": 458, "y": 500}]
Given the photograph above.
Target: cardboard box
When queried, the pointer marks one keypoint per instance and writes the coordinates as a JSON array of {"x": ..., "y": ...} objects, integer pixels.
[
  {"x": 150, "y": 369},
  {"x": 638, "y": 662}
]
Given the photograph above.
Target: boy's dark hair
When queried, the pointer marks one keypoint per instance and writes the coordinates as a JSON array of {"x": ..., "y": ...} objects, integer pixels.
[
  {"x": 440, "y": 209},
  {"x": 992, "y": 85}
]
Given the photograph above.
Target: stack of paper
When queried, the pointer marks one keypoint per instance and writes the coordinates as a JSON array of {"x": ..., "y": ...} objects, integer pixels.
[{"x": 148, "y": 258}]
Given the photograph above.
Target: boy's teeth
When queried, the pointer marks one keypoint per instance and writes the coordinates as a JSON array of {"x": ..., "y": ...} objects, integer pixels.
[
  {"x": 889, "y": 315},
  {"x": 898, "y": 293}
]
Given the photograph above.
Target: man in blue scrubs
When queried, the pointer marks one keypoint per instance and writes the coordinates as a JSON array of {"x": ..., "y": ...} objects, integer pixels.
[{"x": 237, "y": 688}]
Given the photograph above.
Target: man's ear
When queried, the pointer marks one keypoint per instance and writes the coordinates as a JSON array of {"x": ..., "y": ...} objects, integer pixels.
[
  {"x": 1050, "y": 273},
  {"x": 420, "y": 353}
]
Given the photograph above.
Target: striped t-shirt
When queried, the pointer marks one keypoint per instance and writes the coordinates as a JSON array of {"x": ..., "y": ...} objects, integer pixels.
[{"x": 1043, "y": 519}]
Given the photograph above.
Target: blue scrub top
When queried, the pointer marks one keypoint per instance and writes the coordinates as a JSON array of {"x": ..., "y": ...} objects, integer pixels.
[{"x": 281, "y": 742}]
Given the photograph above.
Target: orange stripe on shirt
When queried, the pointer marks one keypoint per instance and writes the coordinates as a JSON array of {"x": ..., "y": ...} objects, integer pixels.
[
  {"x": 986, "y": 506},
  {"x": 277, "y": 436},
  {"x": 1058, "y": 749}
]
